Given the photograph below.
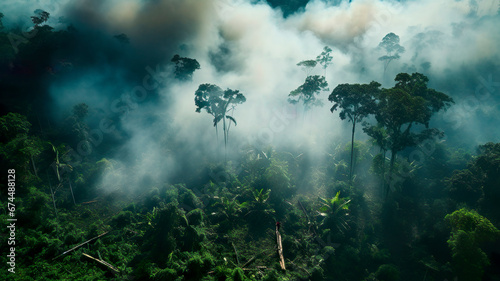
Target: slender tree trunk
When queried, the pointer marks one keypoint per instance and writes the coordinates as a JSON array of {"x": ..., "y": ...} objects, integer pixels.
[
  {"x": 226, "y": 131},
  {"x": 352, "y": 151},
  {"x": 391, "y": 169},
  {"x": 71, "y": 188},
  {"x": 224, "y": 126},
  {"x": 225, "y": 136},
  {"x": 217, "y": 134},
  {"x": 53, "y": 199},
  {"x": 383, "y": 167},
  {"x": 34, "y": 167}
]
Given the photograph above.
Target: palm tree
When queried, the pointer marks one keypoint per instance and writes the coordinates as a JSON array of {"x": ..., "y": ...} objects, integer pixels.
[{"x": 335, "y": 210}]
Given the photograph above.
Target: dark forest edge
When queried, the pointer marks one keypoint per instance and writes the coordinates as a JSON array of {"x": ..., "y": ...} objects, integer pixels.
[{"x": 346, "y": 219}]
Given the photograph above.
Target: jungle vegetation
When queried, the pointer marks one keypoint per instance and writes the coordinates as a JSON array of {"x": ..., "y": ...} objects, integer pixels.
[{"x": 367, "y": 211}]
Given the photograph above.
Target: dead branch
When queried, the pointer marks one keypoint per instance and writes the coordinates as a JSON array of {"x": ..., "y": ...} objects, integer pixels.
[
  {"x": 81, "y": 244},
  {"x": 237, "y": 259},
  {"x": 250, "y": 260}
]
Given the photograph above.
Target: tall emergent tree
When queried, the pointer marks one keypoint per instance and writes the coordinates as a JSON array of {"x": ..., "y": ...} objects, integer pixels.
[
  {"x": 325, "y": 59},
  {"x": 408, "y": 103},
  {"x": 218, "y": 103},
  {"x": 356, "y": 102},
  {"x": 314, "y": 84},
  {"x": 41, "y": 17},
  {"x": 308, "y": 91},
  {"x": 307, "y": 66},
  {"x": 184, "y": 67},
  {"x": 390, "y": 43}
]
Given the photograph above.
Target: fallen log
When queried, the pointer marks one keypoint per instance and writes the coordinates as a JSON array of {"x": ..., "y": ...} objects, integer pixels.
[
  {"x": 81, "y": 244},
  {"x": 113, "y": 269},
  {"x": 280, "y": 247}
]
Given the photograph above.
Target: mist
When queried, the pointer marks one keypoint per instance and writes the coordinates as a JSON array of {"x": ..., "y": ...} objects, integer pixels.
[{"x": 251, "y": 47}]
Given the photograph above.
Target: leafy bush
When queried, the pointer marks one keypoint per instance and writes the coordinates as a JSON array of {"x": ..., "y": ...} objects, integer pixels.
[
  {"x": 469, "y": 229},
  {"x": 195, "y": 217},
  {"x": 124, "y": 218},
  {"x": 387, "y": 272}
]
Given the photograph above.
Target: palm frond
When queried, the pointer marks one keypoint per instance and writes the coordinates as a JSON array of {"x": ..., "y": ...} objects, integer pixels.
[{"x": 232, "y": 119}]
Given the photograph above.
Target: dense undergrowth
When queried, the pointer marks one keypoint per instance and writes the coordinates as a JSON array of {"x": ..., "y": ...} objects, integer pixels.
[{"x": 225, "y": 230}]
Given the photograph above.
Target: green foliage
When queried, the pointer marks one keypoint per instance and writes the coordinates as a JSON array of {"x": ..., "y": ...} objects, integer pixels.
[
  {"x": 166, "y": 274},
  {"x": 18, "y": 147},
  {"x": 307, "y": 65},
  {"x": 77, "y": 123},
  {"x": 122, "y": 38},
  {"x": 187, "y": 199},
  {"x": 387, "y": 272},
  {"x": 307, "y": 92},
  {"x": 277, "y": 178},
  {"x": 218, "y": 103},
  {"x": 260, "y": 196},
  {"x": 325, "y": 58},
  {"x": 465, "y": 186},
  {"x": 335, "y": 210},
  {"x": 166, "y": 224},
  {"x": 33, "y": 208},
  {"x": 124, "y": 218},
  {"x": 390, "y": 43},
  {"x": 231, "y": 208},
  {"x": 356, "y": 103},
  {"x": 288, "y": 7},
  {"x": 238, "y": 275},
  {"x": 41, "y": 17},
  {"x": 174, "y": 233},
  {"x": 378, "y": 164},
  {"x": 12, "y": 125},
  {"x": 184, "y": 67},
  {"x": 60, "y": 168},
  {"x": 469, "y": 230},
  {"x": 470, "y": 221},
  {"x": 195, "y": 217},
  {"x": 487, "y": 166},
  {"x": 197, "y": 266},
  {"x": 408, "y": 103},
  {"x": 260, "y": 206},
  {"x": 477, "y": 186}
]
